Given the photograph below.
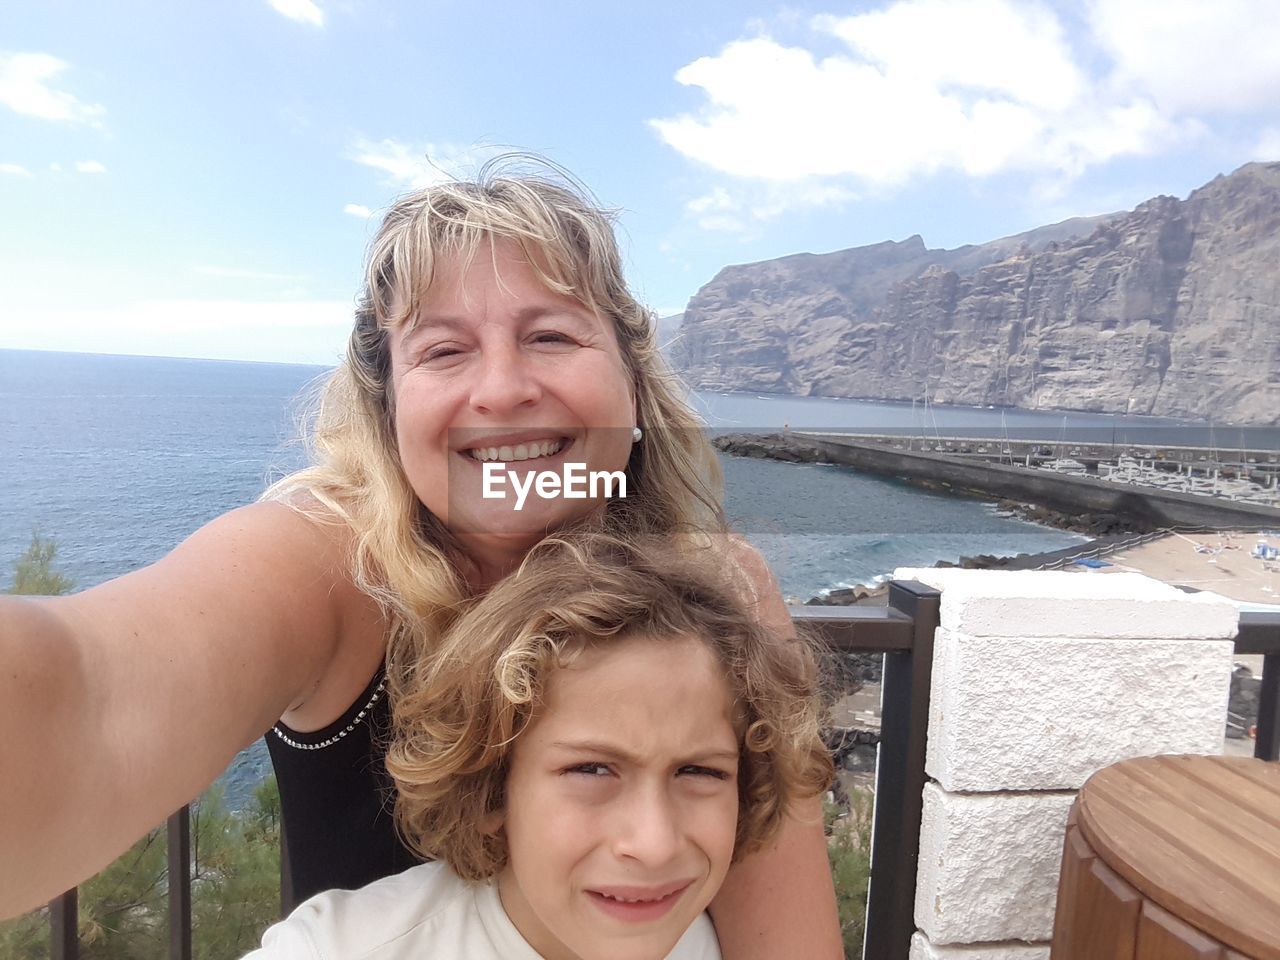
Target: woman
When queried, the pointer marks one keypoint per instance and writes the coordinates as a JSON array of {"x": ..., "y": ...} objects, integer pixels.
[{"x": 495, "y": 328}]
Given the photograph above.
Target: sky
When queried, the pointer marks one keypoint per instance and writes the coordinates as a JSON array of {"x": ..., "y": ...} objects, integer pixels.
[{"x": 182, "y": 179}]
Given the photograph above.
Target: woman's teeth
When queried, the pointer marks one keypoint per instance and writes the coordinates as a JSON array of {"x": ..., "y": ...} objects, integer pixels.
[{"x": 521, "y": 451}]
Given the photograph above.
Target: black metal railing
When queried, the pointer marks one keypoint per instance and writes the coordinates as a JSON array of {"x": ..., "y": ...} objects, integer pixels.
[
  {"x": 1260, "y": 633},
  {"x": 904, "y": 632}
]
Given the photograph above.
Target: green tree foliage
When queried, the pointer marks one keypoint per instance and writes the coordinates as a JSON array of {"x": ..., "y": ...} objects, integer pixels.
[
  {"x": 235, "y": 891},
  {"x": 123, "y": 911},
  {"x": 33, "y": 573},
  {"x": 849, "y": 850}
]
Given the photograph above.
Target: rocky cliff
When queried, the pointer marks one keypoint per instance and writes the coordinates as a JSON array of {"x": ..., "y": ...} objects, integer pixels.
[{"x": 1172, "y": 309}]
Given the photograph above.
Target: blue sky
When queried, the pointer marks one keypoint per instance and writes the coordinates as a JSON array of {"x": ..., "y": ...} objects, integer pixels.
[{"x": 197, "y": 179}]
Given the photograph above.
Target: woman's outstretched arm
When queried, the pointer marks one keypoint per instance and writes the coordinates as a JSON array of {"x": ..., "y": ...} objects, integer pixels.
[
  {"x": 122, "y": 703},
  {"x": 780, "y": 901}
]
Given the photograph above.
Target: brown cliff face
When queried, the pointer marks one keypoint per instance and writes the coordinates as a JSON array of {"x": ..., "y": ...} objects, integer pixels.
[{"x": 1172, "y": 309}]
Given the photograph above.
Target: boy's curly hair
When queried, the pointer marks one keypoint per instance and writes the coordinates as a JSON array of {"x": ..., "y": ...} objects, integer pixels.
[{"x": 467, "y": 705}]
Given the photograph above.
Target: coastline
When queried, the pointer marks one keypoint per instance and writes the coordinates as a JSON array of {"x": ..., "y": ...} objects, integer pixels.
[
  {"x": 1132, "y": 541},
  {"x": 1104, "y": 530}
]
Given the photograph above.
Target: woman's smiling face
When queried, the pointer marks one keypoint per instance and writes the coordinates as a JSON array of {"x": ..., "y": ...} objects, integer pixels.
[{"x": 498, "y": 367}]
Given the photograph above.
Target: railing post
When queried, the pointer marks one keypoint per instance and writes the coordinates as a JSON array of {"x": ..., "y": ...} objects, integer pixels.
[
  {"x": 64, "y": 926},
  {"x": 287, "y": 899},
  {"x": 1260, "y": 633},
  {"x": 179, "y": 856},
  {"x": 1267, "y": 746},
  {"x": 900, "y": 778}
]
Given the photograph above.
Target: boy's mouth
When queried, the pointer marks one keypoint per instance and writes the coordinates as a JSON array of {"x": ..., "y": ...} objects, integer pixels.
[{"x": 639, "y": 903}]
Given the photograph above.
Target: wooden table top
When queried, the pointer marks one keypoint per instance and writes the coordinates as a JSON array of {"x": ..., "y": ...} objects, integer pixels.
[{"x": 1199, "y": 836}]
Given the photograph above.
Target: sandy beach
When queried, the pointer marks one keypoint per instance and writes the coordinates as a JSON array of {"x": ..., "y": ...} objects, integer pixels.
[{"x": 1220, "y": 562}]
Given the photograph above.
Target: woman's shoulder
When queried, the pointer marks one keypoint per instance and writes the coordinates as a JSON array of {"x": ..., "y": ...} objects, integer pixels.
[
  {"x": 271, "y": 578},
  {"x": 304, "y": 541},
  {"x": 736, "y": 556},
  {"x": 755, "y": 582},
  {"x": 749, "y": 561},
  {"x": 301, "y": 511}
]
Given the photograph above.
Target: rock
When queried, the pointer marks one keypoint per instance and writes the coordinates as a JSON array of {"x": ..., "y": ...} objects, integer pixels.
[
  {"x": 772, "y": 446},
  {"x": 1242, "y": 705},
  {"x": 1172, "y": 309}
]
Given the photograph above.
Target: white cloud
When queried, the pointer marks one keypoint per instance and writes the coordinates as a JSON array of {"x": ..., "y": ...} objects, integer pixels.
[
  {"x": 1192, "y": 55},
  {"x": 358, "y": 210},
  {"x": 418, "y": 166},
  {"x": 743, "y": 208},
  {"x": 14, "y": 169},
  {"x": 930, "y": 85},
  {"x": 301, "y": 331},
  {"x": 303, "y": 11},
  {"x": 89, "y": 166},
  {"x": 239, "y": 274},
  {"x": 976, "y": 87},
  {"x": 718, "y": 210},
  {"x": 1016, "y": 52},
  {"x": 24, "y": 88},
  {"x": 1267, "y": 146}
]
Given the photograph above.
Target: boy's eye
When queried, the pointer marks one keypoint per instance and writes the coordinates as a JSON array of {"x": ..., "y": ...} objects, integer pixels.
[
  {"x": 700, "y": 771},
  {"x": 590, "y": 769}
]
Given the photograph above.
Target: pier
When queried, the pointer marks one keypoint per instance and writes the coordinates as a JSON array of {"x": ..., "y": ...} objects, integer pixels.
[{"x": 1152, "y": 484}]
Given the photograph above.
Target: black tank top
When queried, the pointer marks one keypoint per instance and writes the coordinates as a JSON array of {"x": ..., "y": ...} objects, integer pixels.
[{"x": 336, "y": 801}]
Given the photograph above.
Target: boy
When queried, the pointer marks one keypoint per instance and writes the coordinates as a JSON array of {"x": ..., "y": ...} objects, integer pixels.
[{"x": 594, "y": 742}]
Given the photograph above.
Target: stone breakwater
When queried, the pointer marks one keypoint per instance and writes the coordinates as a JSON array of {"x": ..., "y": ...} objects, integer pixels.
[
  {"x": 791, "y": 449},
  {"x": 1082, "y": 504}
]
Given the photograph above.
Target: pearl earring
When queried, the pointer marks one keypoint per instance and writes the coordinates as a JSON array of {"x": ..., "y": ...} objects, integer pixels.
[{"x": 636, "y": 434}]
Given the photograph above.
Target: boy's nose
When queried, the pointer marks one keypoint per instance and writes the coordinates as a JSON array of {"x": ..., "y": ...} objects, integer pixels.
[
  {"x": 648, "y": 830},
  {"x": 503, "y": 382}
]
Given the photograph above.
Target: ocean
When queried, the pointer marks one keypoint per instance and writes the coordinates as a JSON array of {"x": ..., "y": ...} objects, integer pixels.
[{"x": 117, "y": 459}]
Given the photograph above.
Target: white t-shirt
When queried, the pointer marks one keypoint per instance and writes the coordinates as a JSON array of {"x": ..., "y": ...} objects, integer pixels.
[{"x": 424, "y": 913}]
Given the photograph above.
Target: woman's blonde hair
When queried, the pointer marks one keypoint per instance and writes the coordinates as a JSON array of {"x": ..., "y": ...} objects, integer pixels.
[
  {"x": 466, "y": 707},
  {"x": 403, "y": 556}
]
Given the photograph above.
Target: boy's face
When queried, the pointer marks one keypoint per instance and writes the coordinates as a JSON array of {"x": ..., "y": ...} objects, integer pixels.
[{"x": 622, "y": 802}]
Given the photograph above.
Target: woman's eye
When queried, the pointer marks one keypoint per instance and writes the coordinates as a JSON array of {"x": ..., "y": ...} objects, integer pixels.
[
  {"x": 440, "y": 353},
  {"x": 551, "y": 336}
]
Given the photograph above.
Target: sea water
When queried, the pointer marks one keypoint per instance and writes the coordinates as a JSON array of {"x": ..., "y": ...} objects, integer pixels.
[{"x": 117, "y": 459}]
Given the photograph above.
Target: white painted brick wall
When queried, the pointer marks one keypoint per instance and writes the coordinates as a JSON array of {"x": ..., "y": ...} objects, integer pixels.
[
  {"x": 1058, "y": 603},
  {"x": 1039, "y": 680},
  {"x": 1044, "y": 713},
  {"x": 922, "y": 949},
  {"x": 989, "y": 865}
]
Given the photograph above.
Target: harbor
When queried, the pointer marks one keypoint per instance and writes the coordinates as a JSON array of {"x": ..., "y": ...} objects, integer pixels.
[{"x": 1153, "y": 485}]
